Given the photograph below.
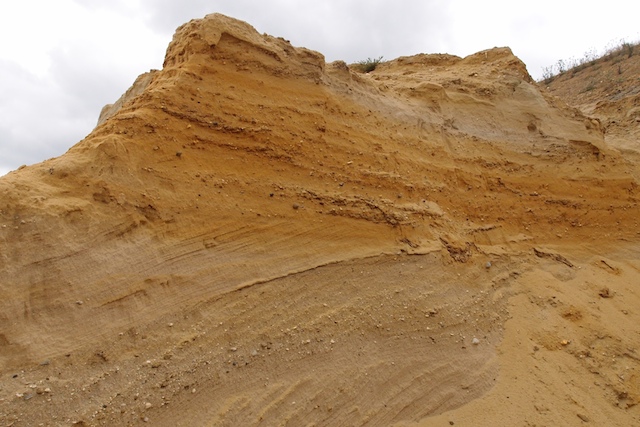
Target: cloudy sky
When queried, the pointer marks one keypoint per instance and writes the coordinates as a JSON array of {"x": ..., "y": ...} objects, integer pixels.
[{"x": 62, "y": 60}]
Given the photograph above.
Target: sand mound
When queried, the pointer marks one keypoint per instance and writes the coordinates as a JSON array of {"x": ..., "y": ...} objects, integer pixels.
[{"x": 251, "y": 236}]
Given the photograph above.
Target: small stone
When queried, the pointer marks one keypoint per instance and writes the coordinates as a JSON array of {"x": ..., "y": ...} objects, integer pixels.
[
  {"x": 296, "y": 206},
  {"x": 583, "y": 417},
  {"x": 605, "y": 293},
  {"x": 487, "y": 265},
  {"x": 79, "y": 302},
  {"x": 475, "y": 341},
  {"x": 565, "y": 342},
  {"x": 148, "y": 405}
]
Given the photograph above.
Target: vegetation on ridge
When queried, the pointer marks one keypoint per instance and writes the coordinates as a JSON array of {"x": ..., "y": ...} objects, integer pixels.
[
  {"x": 589, "y": 59},
  {"x": 369, "y": 64}
]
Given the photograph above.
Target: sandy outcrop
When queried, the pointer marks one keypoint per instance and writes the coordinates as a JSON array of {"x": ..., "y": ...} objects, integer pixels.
[
  {"x": 607, "y": 89},
  {"x": 136, "y": 89},
  {"x": 254, "y": 236}
]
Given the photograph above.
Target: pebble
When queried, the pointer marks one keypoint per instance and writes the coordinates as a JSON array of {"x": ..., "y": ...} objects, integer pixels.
[
  {"x": 583, "y": 417},
  {"x": 475, "y": 341},
  {"x": 605, "y": 293},
  {"x": 487, "y": 265}
]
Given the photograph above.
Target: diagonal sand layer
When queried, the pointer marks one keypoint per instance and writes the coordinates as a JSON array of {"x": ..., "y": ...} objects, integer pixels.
[{"x": 251, "y": 236}]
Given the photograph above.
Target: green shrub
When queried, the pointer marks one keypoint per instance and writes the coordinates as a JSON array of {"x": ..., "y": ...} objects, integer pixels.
[
  {"x": 629, "y": 48},
  {"x": 368, "y": 64}
]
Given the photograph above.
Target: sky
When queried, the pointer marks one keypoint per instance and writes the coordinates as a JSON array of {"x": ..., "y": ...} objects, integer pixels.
[{"x": 62, "y": 61}]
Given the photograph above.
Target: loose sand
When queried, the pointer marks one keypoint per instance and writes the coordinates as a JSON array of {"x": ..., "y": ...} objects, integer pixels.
[{"x": 252, "y": 236}]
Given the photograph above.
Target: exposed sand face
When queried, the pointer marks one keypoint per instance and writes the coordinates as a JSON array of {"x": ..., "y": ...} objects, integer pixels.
[{"x": 255, "y": 237}]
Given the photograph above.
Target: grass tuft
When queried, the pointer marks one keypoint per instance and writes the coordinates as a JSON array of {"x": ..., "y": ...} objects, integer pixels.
[{"x": 369, "y": 64}]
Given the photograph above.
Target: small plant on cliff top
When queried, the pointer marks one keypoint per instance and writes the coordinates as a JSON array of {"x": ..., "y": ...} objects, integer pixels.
[{"x": 368, "y": 64}]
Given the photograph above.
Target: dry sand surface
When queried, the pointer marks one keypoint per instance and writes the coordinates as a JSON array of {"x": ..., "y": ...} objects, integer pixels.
[{"x": 253, "y": 237}]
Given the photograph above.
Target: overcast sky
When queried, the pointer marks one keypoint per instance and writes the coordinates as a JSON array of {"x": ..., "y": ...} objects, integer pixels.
[{"x": 61, "y": 61}]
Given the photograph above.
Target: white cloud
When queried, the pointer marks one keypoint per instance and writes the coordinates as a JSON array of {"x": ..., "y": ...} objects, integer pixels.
[
  {"x": 54, "y": 81},
  {"x": 347, "y": 30}
]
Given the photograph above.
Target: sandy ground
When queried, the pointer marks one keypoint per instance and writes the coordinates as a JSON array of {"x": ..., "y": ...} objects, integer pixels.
[{"x": 251, "y": 236}]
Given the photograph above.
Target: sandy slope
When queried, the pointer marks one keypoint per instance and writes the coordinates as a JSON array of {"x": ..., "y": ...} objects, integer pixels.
[
  {"x": 608, "y": 89},
  {"x": 254, "y": 237}
]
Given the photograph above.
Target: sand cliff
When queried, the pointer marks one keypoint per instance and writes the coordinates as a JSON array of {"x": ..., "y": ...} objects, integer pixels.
[{"x": 252, "y": 236}]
